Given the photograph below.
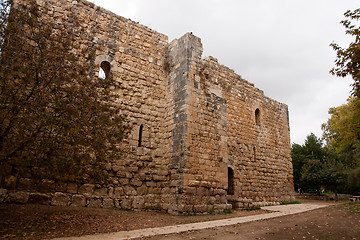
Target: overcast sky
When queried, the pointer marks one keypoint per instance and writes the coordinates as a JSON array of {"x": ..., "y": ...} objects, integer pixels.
[{"x": 281, "y": 46}]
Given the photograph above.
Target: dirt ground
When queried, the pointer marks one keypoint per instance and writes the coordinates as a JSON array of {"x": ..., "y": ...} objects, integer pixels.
[
  {"x": 331, "y": 223},
  {"x": 44, "y": 222},
  {"x": 341, "y": 221}
]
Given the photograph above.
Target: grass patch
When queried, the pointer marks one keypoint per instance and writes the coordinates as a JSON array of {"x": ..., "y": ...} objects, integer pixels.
[
  {"x": 353, "y": 207},
  {"x": 252, "y": 208},
  {"x": 287, "y": 203},
  {"x": 227, "y": 211}
]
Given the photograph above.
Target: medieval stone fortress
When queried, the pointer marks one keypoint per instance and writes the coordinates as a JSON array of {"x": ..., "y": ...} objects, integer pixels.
[{"x": 203, "y": 139}]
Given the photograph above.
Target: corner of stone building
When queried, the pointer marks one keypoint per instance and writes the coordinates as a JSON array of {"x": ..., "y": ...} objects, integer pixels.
[{"x": 183, "y": 54}]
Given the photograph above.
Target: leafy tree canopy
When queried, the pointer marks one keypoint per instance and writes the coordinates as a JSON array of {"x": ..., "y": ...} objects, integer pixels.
[
  {"x": 56, "y": 115},
  {"x": 342, "y": 131},
  {"x": 315, "y": 167},
  {"x": 303, "y": 154},
  {"x": 348, "y": 59}
]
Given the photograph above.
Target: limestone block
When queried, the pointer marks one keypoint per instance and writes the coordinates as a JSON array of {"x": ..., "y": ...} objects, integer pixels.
[
  {"x": 125, "y": 203},
  {"x": 87, "y": 189},
  {"x": 221, "y": 206},
  {"x": 119, "y": 191},
  {"x": 111, "y": 192},
  {"x": 135, "y": 182},
  {"x": 223, "y": 199},
  {"x": 138, "y": 202},
  {"x": 78, "y": 201},
  {"x": 6, "y": 169},
  {"x": 95, "y": 203},
  {"x": 159, "y": 178},
  {"x": 115, "y": 167},
  {"x": 10, "y": 182},
  {"x": 108, "y": 203},
  {"x": 129, "y": 191},
  {"x": 25, "y": 184},
  {"x": 220, "y": 192},
  {"x": 18, "y": 197},
  {"x": 142, "y": 190},
  {"x": 39, "y": 198},
  {"x": 46, "y": 186},
  {"x": 151, "y": 184},
  {"x": 60, "y": 199},
  {"x": 124, "y": 181},
  {"x": 200, "y": 208},
  {"x": 101, "y": 192},
  {"x": 165, "y": 190},
  {"x": 186, "y": 208},
  {"x": 72, "y": 188},
  {"x": 117, "y": 203},
  {"x": 60, "y": 187},
  {"x": 108, "y": 166},
  {"x": 154, "y": 190}
]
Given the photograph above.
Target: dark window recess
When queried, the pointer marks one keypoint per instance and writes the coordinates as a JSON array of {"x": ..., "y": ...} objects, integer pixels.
[
  {"x": 254, "y": 153},
  {"x": 257, "y": 117},
  {"x": 230, "y": 190},
  {"x": 104, "y": 71},
  {"x": 140, "y": 135}
]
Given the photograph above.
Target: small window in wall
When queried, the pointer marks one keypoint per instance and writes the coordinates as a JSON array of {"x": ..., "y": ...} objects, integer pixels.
[
  {"x": 104, "y": 71},
  {"x": 230, "y": 190},
  {"x": 254, "y": 153},
  {"x": 257, "y": 117},
  {"x": 140, "y": 135}
]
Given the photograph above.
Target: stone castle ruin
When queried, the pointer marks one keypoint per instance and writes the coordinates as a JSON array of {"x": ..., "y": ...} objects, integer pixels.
[{"x": 203, "y": 139}]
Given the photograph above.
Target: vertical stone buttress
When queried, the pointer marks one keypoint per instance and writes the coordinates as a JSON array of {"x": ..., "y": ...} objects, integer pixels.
[
  {"x": 183, "y": 53},
  {"x": 199, "y": 161}
]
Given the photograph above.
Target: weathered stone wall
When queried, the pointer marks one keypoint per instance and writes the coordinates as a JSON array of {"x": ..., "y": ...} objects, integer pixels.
[
  {"x": 216, "y": 129},
  {"x": 137, "y": 56},
  {"x": 196, "y": 119},
  {"x": 257, "y": 150}
]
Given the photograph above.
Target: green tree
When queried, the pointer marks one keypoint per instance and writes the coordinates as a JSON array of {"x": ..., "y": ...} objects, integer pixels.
[
  {"x": 55, "y": 114},
  {"x": 354, "y": 181},
  {"x": 311, "y": 175},
  {"x": 342, "y": 135},
  {"x": 348, "y": 60},
  {"x": 299, "y": 159},
  {"x": 315, "y": 167},
  {"x": 302, "y": 157},
  {"x": 342, "y": 132}
]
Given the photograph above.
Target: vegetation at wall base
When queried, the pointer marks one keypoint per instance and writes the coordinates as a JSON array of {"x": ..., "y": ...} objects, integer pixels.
[
  {"x": 252, "y": 208},
  {"x": 291, "y": 202}
]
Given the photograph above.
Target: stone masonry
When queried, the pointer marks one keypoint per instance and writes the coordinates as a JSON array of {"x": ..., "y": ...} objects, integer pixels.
[{"x": 203, "y": 139}]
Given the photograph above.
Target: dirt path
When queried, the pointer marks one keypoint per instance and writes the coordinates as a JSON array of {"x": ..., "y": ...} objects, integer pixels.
[
  {"x": 331, "y": 223},
  {"x": 45, "y": 222},
  {"x": 274, "y": 212}
]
